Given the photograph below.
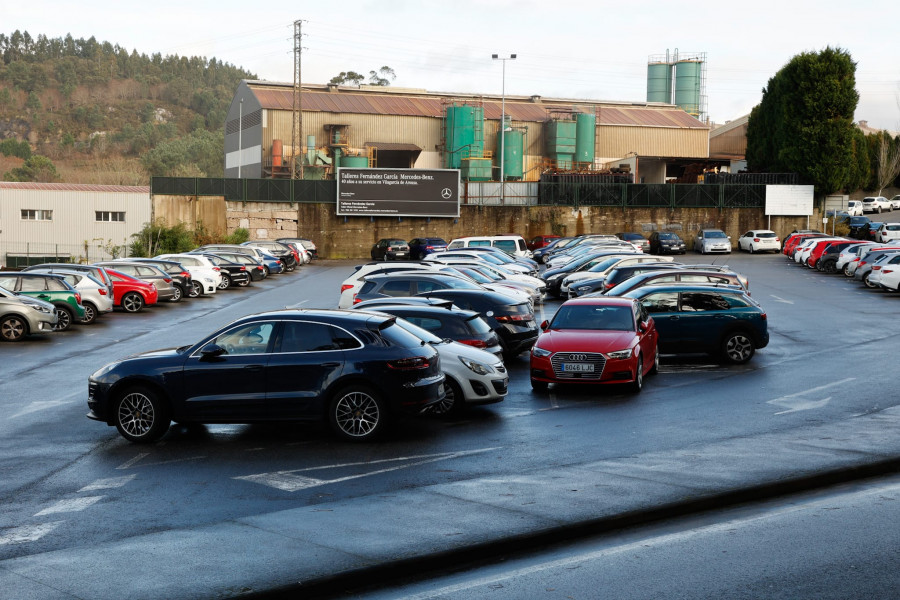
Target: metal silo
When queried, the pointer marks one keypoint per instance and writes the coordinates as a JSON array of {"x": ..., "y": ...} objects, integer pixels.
[
  {"x": 513, "y": 153},
  {"x": 585, "y": 129},
  {"x": 659, "y": 82},
  {"x": 688, "y": 85},
  {"x": 464, "y": 131}
]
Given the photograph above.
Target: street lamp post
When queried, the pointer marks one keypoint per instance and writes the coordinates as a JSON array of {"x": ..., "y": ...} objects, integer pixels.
[{"x": 503, "y": 124}]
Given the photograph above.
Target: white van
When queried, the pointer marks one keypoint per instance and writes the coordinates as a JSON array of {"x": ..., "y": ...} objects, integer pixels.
[{"x": 513, "y": 245}]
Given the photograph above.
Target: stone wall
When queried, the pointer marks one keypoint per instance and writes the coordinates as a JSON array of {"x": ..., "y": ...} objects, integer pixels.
[{"x": 353, "y": 237}]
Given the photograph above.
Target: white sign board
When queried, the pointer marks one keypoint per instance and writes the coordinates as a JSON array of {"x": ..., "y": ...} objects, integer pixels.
[{"x": 789, "y": 200}]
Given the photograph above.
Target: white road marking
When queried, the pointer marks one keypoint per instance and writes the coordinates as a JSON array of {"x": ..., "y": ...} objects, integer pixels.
[
  {"x": 291, "y": 481},
  {"x": 793, "y": 402},
  {"x": 27, "y": 533},
  {"x": 106, "y": 484},
  {"x": 137, "y": 458},
  {"x": 70, "y": 505},
  {"x": 45, "y": 404},
  {"x": 298, "y": 305},
  {"x": 777, "y": 299}
]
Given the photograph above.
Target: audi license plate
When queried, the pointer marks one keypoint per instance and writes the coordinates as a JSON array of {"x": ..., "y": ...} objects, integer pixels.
[{"x": 578, "y": 367}]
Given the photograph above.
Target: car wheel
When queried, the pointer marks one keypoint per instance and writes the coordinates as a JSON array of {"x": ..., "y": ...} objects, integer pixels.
[
  {"x": 266, "y": 271},
  {"x": 90, "y": 313},
  {"x": 357, "y": 413},
  {"x": 141, "y": 416},
  {"x": 539, "y": 386},
  {"x": 196, "y": 289},
  {"x": 750, "y": 249},
  {"x": 737, "y": 348},
  {"x": 64, "y": 318},
  {"x": 13, "y": 328},
  {"x": 865, "y": 280},
  {"x": 638, "y": 384},
  {"x": 453, "y": 401},
  {"x": 244, "y": 283},
  {"x": 828, "y": 267},
  {"x": 879, "y": 210},
  {"x": 179, "y": 294},
  {"x": 846, "y": 270},
  {"x": 226, "y": 282},
  {"x": 133, "y": 302},
  {"x": 655, "y": 368}
]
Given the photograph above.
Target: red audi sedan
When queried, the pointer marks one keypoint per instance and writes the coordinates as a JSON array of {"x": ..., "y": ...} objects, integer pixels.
[{"x": 596, "y": 340}]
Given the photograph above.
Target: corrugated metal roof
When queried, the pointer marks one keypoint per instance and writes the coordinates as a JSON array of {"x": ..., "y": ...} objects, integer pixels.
[
  {"x": 415, "y": 104},
  {"x": 389, "y": 146},
  {"x": 75, "y": 187}
]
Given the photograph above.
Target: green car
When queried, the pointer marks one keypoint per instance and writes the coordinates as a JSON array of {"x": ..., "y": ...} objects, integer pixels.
[{"x": 51, "y": 288}]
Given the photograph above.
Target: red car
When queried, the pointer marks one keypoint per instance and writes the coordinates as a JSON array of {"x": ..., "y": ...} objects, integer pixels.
[
  {"x": 791, "y": 242},
  {"x": 596, "y": 340},
  {"x": 540, "y": 241},
  {"x": 819, "y": 250},
  {"x": 130, "y": 294}
]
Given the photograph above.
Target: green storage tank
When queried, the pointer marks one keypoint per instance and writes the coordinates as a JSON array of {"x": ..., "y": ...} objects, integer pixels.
[
  {"x": 355, "y": 162},
  {"x": 464, "y": 134},
  {"x": 659, "y": 82},
  {"x": 688, "y": 79},
  {"x": 585, "y": 131},
  {"x": 560, "y": 137},
  {"x": 513, "y": 154},
  {"x": 476, "y": 169}
]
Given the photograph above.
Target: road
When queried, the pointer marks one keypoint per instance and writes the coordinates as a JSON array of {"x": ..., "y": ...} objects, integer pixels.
[{"x": 69, "y": 482}]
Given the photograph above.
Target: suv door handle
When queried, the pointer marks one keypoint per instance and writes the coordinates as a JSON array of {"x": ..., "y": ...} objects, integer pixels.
[
  {"x": 254, "y": 367},
  {"x": 331, "y": 364}
]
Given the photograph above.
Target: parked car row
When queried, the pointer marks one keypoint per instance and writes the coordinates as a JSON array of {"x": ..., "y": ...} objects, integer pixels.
[
  {"x": 874, "y": 264},
  {"x": 56, "y": 296}
]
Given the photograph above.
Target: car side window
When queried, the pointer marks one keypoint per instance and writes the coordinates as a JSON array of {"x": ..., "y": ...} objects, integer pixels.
[
  {"x": 703, "y": 301},
  {"x": 33, "y": 284},
  {"x": 431, "y": 325},
  {"x": 428, "y": 286},
  {"x": 252, "y": 338},
  {"x": 661, "y": 302},
  {"x": 8, "y": 283},
  {"x": 396, "y": 288},
  {"x": 300, "y": 336},
  {"x": 57, "y": 285}
]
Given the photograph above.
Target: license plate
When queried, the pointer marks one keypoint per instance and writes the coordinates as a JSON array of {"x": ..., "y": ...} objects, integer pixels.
[
  {"x": 400, "y": 253},
  {"x": 578, "y": 367}
]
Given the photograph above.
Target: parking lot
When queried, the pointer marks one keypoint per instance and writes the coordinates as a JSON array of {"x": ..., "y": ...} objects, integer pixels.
[{"x": 70, "y": 481}]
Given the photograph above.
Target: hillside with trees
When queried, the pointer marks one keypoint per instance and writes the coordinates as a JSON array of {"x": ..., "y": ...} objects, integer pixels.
[{"x": 84, "y": 111}]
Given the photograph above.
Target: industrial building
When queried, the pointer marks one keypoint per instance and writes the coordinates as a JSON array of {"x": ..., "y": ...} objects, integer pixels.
[
  {"x": 65, "y": 221},
  {"x": 385, "y": 127}
]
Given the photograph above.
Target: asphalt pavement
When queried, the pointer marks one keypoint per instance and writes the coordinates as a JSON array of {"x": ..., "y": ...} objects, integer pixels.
[{"x": 323, "y": 549}]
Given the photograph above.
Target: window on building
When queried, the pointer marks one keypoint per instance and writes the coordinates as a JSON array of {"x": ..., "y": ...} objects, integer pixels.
[
  {"x": 29, "y": 214},
  {"x": 111, "y": 216}
]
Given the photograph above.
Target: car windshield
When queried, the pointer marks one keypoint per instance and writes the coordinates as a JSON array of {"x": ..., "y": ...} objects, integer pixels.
[
  {"x": 714, "y": 234},
  {"x": 422, "y": 334},
  {"x": 765, "y": 234},
  {"x": 604, "y": 265},
  {"x": 461, "y": 284},
  {"x": 594, "y": 318},
  {"x": 668, "y": 236}
]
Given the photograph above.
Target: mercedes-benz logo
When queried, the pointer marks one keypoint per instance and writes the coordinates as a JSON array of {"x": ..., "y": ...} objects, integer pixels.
[
  {"x": 446, "y": 193},
  {"x": 578, "y": 357}
]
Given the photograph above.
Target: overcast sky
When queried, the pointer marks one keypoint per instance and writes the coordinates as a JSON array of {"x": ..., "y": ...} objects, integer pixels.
[{"x": 574, "y": 49}]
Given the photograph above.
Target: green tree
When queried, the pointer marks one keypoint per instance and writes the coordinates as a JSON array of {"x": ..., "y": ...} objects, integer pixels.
[
  {"x": 347, "y": 77},
  {"x": 380, "y": 77},
  {"x": 804, "y": 123},
  {"x": 37, "y": 168},
  {"x": 33, "y": 102},
  {"x": 200, "y": 153},
  {"x": 859, "y": 171}
]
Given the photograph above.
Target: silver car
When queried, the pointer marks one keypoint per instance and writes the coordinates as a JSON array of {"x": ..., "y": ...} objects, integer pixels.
[
  {"x": 708, "y": 241},
  {"x": 23, "y": 315}
]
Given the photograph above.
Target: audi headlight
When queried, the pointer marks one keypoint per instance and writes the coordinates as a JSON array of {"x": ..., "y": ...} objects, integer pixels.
[
  {"x": 620, "y": 354},
  {"x": 540, "y": 352},
  {"x": 476, "y": 367}
]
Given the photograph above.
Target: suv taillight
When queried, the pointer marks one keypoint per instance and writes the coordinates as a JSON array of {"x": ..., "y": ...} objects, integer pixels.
[
  {"x": 78, "y": 297},
  {"x": 409, "y": 364},
  {"x": 514, "y": 318},
  {"x": 474, "y": 343},
  {"x": 345, "y": 287}
]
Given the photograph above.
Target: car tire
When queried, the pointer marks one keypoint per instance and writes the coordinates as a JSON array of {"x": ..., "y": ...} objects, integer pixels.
[
  {"x": 244, "y": 283},
  {"x": 829, "y": 267},
  {"x": 64, "y": 318},
  {"x": 140, "y": 415},
  {"x": 750, "y": 249},
  {"x": 90, "y": 313},
  {"x": 738, "y": 347},
  {"x": 655, "y": 368},
  {"x": 13, "y": 328},
  {"x": 539, "y": 386},
  {"x": 357, "y": 414},
  {"x": 179, "y": 294},
  {"x": 266, "y": 270},
  {"x": 453, "y": 402},
  {"x": 867, "y": 282},
  {"x": 196, "y": 289},
  {"x": 226, "y": 281},
  {"x": 132, "y": 302},
  {"x": 638, "y": 384}
]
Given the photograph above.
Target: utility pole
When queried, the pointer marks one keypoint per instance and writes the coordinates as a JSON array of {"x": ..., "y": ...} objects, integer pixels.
[{"x": 297, "y": 125}]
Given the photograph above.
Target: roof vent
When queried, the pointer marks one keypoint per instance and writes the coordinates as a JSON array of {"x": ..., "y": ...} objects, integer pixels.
[
  {"x": 536, "y": 99},
  {"x": 333, "y": 88}
]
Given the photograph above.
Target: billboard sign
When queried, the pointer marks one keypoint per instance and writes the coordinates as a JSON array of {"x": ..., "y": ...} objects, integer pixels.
[
  {"x": 398, "y": 192},
  {"x": 789, "y": 200}
]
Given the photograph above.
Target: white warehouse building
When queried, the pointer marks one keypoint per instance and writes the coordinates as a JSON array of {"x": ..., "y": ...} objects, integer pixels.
[{"x": 43, "y": 222}]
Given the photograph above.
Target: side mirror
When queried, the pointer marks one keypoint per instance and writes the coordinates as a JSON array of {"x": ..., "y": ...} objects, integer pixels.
[
  {"x": 545, "y": 325},
  {"x": 643, "y": 326},
  {"x": 212, "y": 351}
]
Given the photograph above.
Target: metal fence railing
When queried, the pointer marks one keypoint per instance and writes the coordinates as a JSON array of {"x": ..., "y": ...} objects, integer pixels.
[
  {"x": 248, "y": 190},
  {"x": 18, "y": 255}
]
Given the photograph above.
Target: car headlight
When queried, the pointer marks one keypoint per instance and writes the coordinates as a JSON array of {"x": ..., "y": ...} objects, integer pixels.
[
  {"x": 208, "y": 279},
  {"x": 583, "y": 288},
  {"x": 103, "y": 371},
  {"x": 40, "y": 308},
  {"x": 620, "y": 354},
  {"x": 476, "y": 367},
  {"x": 540, "y": 352}
]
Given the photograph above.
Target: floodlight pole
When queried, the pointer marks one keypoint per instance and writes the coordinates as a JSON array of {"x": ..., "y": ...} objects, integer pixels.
[{"x": 503, "y": 124}]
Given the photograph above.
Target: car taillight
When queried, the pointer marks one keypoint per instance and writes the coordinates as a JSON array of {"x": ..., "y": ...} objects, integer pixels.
[
  {"x": 514, "y": 318},
  {"x": 345, "y": 287},
  {"x": 429, "y": 247},
  {"x": 102, "y": 291},
  {"x": 474, "y": 343},
  {"x": 167, "y": 279},
  {"x": 876, "y": 267},
  {"x": 216, "y": 269},
  {"x": 185, "y": 274},
  {"x": 409, "y": 364},
  {"x": 755, "y": 239},
  {"x": 77, "y": 297},
  {"x": 356, "y": 300},
  {"x": 606, "y": 286},
  {"x": 243, "y": 268},
  {"x": 886, "y": 271},
  {"x": 277, "y": 262},
  {"x": 259, "y": 267}
]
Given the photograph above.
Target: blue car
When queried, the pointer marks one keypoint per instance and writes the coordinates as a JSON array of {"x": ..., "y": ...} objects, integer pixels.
[
  {"x": 692, "y": 319},
  {"x": 272, "y": 264},
  {"x": 419, "y": 248}
]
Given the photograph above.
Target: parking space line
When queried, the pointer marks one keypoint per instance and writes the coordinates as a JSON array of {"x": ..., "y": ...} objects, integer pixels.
[
  {"x": 70, "y": 505},
  {"x": 105, "y": 484},
  {"x": 27, "y": 533}
]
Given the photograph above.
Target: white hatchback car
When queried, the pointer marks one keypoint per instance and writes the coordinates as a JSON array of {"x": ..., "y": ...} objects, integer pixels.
[
  {"x": 351, "y": 285},
  {"x": 855, "y": 207},
  {"x": 759, "y": 240},
  {"x": 204, "y": 274},
  {"x": 887, "y": 232}
]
